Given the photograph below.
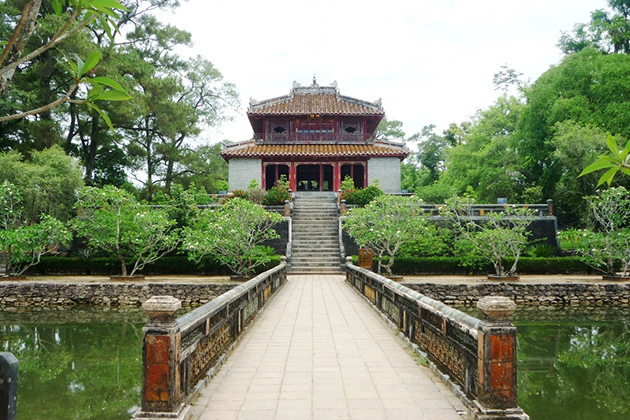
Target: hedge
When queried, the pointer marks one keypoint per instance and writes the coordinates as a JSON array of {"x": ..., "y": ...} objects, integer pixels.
[
  {"x": 111, "y": 266},
  {"x": 450, "y": 265}
]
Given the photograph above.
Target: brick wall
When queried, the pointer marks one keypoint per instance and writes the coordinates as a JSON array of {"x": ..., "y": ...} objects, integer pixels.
[
  {"x": 387, "y": 171},
  {"x": 242, "y": 171}
]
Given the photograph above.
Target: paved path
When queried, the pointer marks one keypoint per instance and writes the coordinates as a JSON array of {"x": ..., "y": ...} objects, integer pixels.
[{"x": 318, "y": 351}]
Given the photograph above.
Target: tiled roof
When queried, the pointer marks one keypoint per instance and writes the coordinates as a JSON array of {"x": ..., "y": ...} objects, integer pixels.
[
  {"x": 258, "y": 150},
  {"x": 314, "y": 99}
]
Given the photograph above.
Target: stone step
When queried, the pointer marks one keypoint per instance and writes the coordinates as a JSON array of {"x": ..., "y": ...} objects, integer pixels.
[
  {"x": 315, "y": 248},
  {"x": 326, "y": 265},
  {"x": 323, "y": 241},
  {"x": 315, "y": 256}
]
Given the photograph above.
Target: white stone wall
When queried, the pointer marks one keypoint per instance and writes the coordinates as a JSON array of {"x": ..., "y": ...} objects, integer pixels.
[
  {"x": 242, "y": 171},
  {"x": 387, "y": 171}
]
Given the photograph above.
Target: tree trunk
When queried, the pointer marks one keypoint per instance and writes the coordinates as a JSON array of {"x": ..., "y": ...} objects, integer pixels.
[
  {"x": 15, "y": 47},
  {"x": 90, "y": 150}
]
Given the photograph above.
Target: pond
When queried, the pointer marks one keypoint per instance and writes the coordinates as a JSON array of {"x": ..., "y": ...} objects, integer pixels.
[
  {"x": 86, "y": 364},
  {"x": 574, "y": 364},
  {"x": 75, "y": 363}
]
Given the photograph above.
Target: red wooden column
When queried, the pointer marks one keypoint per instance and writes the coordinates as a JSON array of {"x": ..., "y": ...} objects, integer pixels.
[
  {"x": 336, "y": 176},
  {"x": 293, "y": 176}
]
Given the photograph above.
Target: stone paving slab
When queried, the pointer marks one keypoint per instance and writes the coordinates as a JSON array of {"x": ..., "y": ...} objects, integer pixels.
[{"x": 318, "y": 351}]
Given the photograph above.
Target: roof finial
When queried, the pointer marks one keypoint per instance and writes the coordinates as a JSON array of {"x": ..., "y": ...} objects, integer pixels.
[{"x": 314, "y": 80}]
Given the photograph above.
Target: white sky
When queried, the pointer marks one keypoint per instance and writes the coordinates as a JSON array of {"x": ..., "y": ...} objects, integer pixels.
[{"x": 431, "y": 61}]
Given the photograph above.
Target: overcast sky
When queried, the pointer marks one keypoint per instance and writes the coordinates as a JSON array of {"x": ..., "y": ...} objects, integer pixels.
[{"x": 431, "y": 62}]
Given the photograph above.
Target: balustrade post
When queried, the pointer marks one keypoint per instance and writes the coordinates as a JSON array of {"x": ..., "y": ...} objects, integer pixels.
[
  {"x": 343, "y": 207},
  {"x": 550, "y": 206},
  {"x": 497, "y": 396},
  {"x": 161, "y": 388},
  {"x": 287, "y": 208},
  {"x": 8, "y": 385}
]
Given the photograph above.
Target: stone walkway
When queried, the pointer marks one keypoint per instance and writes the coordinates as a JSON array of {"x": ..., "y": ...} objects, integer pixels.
[{"x": 318, "y": 351}]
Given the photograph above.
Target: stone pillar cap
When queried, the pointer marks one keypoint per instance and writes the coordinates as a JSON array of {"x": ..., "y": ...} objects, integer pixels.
[
  {"x": 497, "y": 308},
  {"x": 161, "y": 306},
  {"x": 349, "y": 259}
]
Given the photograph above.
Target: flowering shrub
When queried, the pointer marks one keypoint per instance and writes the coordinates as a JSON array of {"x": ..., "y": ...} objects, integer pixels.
[
  {"x": 22, "y": 243},
  {"x": 233, "y": 234},
  {"x": 608, "y": 242},
  {"x": 385, "y": 224},
  {"x": 111, "y": 220},
  {"x": 493, "y": 237}
]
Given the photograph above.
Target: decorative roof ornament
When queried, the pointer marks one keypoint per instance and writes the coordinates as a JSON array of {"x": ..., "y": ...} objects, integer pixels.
[
  {"x": 296, "y": 84},
  {"x": 314, "y": 80},
  {"x": 252, "y": 101}
]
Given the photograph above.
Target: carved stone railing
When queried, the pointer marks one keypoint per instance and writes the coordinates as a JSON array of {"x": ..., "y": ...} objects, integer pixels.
[
  {"x": 477, "y": 357},
  {"x": 180, "y": 354}
]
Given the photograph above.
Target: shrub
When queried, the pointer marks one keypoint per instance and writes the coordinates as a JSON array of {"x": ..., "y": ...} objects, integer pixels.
[
  {"x": 235, "y": 194},
  {"x": 452, "y": 265},
  {"x": 256, "y": 195},
  {"x": 276, "y": 196}
]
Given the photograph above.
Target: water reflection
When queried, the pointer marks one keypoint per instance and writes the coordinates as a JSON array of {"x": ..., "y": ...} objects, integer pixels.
[
  {"x": 574, "y": 365},
  {"x": 73, "y": 366}
]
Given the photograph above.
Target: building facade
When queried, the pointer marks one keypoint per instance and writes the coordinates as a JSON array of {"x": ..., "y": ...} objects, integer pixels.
[{"x": 315, "y": 137}]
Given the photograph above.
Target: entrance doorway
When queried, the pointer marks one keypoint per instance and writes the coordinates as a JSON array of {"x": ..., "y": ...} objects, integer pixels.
[
  {"x": 273, "y": 173},
  {"x": 318, "y": 177},
  {"x": 356, "y": 172}
]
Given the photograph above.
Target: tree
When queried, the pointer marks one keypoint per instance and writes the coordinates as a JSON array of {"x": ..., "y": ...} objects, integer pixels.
[
  {"x": 22, "y": 243},
  {"x": 487, "y": 157},
  {"x": 48, "y": 182},
  {"x": 389, "y": 131},
  {"x": 76, "y": 15},
  {"x": 607, "y": 32},
  {"x": 494, "y": 237},
  {"x": 587, "y": 88},
  {"x": 609, "y": 242},
  {"x": 385, "y": 224},
  {"x": 111, "y": 220},
  {"x": 232, "y": 234}
]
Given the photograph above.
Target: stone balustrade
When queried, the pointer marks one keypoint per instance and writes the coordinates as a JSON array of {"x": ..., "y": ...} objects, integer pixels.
[
  {"x": 180, "y": 354},
  {"x": 478, "y": 357}
]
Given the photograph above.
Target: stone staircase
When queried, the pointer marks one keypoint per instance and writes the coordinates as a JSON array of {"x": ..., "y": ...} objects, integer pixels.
[{"x": 315, "y": 239}]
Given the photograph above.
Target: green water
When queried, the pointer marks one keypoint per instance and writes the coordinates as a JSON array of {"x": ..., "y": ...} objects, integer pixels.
[
  {"x": 72, "y": 365},
  {"x": 574, "y": 365},
  {"x": 86, "y": 364}
]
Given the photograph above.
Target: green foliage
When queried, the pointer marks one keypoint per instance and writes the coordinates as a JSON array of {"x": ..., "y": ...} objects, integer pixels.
[
  {"x": 437, "y": 193},
  {"x": 607, "y": 32},
  {"x": 111, "y": 220},
  {"x": 253, "y": 184},
  {"x": 495, "y": 237},
  {"x": 411, "y": 265},
  {"x": 486, "y": 159},
  {"x": 587, "y": 88},
  {"x": 541, "y": 250},
  {"x": 618, "y": 160},
  {"x": 437, "y": 241},
  {"x": 47, "y": 182},
  {"x": 276, "y": 196},
  {"x": 233, "y": 234},
  {"x": 347, "y": 184},
  {"x": 609, "y": 244},
  {"x": 361, "y": 197},
  {"x": 23, "y": 243},
  {"x": 385, "y": 224},
  {"x": 256, "y": 195}
]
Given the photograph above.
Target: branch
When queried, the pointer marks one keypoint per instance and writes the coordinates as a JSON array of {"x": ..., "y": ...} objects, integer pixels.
[
  {"x": 26, "y": 14},
  {"x": 53, "y": 42},
  {"x": 65, "y": 98}
]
